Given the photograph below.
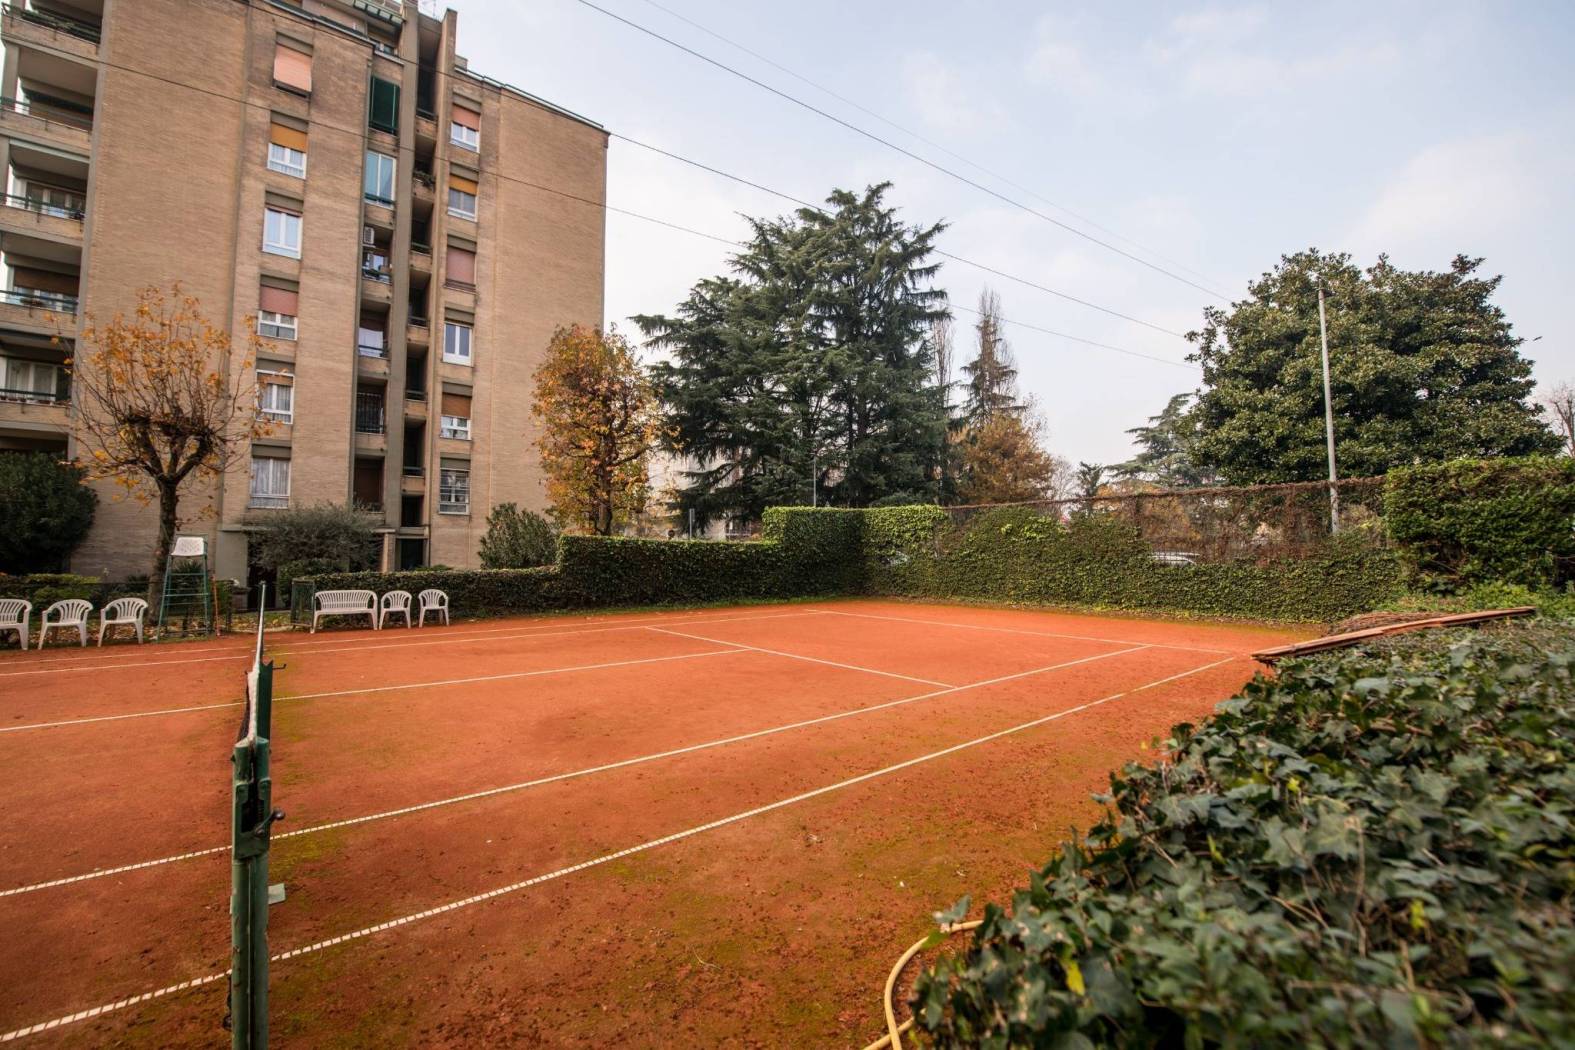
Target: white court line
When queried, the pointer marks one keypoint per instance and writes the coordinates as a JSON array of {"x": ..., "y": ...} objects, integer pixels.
[
  {"x": 677, "y": 836},
  {"x": 447, "y": 640},
  {"x": 1018, "y": 630},
  {"x": 555, "y": 778},
  {"x": 380, "y": 689},
  {"x": 797, "y": 656}
]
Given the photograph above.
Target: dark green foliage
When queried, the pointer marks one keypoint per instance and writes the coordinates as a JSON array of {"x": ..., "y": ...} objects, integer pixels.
[
  {"x": 620, "y": 571},
  {"x": 45, "y": 511},
  {"x": 471, "y": 592},
  {"x": 1167, "y": 445},
  {"x": 812, "y": 362},
  {"x": 517, "y": 539},
  {"x": 1015, "y": 554},
  {"x": 1373, "y": 849},
  {"x": 309, "y": 541},
  {"x": 44, "y": 588},
  {"x": 1470, "y": 521},
  {"x": 1424, "y": 366}
]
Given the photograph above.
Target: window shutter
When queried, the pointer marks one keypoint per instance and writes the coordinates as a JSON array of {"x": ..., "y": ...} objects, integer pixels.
[
  {"x": 385, "y": 105},
  {"x": 292, "y": 68},
  {"x": 280, "y": 135},
  {"x": 464, "y": 185},
  {"x": 468, "y": 118},
  {"x": 456, "y": 405},
  {"x": 461, "y": 265},
  {"x": 279, "y": 300}
]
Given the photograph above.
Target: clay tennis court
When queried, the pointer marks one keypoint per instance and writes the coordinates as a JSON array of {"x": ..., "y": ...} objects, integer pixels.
[{"x": 702, "y": 827}]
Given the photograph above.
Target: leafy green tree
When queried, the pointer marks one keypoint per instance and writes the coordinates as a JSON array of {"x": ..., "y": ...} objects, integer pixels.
[
  {"x": 1090, "y": 477},
  {"x": 45, "y": 511},
  {"x": 517, "y": 539},
  {"x": 811, "y": 365},
  {"x": 992, "y": 377},
  {"x": 304, "y": 541},
  {"x": 1167, "y": 449},
  {"x": 1425, "y": 368}
]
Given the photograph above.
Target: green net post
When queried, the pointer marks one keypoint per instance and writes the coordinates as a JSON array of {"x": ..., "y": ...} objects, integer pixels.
[{"x": 252, "y": 816}]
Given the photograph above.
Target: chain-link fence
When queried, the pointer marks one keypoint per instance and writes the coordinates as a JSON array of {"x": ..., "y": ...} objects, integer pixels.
[{"x": 1251, "y": 523}]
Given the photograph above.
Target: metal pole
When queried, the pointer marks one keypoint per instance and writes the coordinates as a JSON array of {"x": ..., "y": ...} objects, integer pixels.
[
  {"x": 1328, "y": 418},
  {"x": 814, "y": 478}
]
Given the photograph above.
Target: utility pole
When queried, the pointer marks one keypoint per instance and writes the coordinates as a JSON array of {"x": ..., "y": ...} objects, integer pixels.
[
  {"x": 814, "y": 477},
  {"x": 1328, "y": 418}
]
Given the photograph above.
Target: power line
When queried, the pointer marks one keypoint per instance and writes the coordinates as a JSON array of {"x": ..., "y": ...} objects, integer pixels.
[
  {"x": 900, "y": 149},
  {"x": 1080, "y": 339},
  {"x": 955, "y": 258},
  {"x": 927, "y": 141}
]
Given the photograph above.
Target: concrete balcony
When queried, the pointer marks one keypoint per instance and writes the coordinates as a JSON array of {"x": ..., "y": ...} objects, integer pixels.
[
  {"x": 417, "y": 334},
  {"x": 35, "y": 218},
  {"x": 35, "y": 405},
  {"x": 46, "y": 125},
  {"x": 420, "y": 259},
  {"x": 58, "y": 33},
  {"x": 49, "y": 312},
  {"x": 413, "y": 484},
  {"x": 415, "y": 407}
]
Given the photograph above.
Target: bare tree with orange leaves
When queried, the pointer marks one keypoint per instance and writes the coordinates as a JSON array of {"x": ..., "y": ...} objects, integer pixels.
[
  {"x": 600, "y": 420},
  {"x": 157, "y": 405}
]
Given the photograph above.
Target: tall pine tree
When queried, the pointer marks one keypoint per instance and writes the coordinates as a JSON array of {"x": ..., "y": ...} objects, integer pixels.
[
  {"x": 992, "y": 377},
  {"x": 811, "y": 361}
]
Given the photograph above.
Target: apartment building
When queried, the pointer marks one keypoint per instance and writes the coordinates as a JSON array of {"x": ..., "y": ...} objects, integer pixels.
[{"x": 405, "y": 232}]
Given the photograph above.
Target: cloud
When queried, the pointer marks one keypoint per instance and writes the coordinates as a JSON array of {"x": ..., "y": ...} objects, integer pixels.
[
  {"x": 1058, "y": 59},
  {"x": 945, "y": 100}
]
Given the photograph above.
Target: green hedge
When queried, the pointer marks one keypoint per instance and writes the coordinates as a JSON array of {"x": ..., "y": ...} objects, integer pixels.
[
  {"x": 1474, "y": 521},
  {"x": 1368, "y": 850},
  {"x": 45, "y": 588},
  {"x": 471, "y": 592},
  {"x": 1014, "y": 554}
]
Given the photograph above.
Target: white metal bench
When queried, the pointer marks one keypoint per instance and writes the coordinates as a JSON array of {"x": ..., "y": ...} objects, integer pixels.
[
  {"x": 64, "y": 614},
  {"x": 434, "y": 601},
  {"x": 344, "y": 603},
  {"x": 14, "y": 615},
  {"x": 394, "y": 603},
  {"x": 122, "y": 612}
]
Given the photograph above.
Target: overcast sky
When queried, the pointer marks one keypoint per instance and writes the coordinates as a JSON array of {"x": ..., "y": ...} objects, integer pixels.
[{"x": 1217, "y": 137}]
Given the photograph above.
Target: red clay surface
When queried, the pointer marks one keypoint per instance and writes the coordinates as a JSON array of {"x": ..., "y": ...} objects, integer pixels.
[{"x": 614, "y": 742}]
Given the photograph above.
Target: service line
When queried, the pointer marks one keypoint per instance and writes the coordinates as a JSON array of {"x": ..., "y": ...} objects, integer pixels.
[
  {"x": 1019, "y": 630},
  {"x": 650, "y": 844},
  {"x": 575, "y": 774}
]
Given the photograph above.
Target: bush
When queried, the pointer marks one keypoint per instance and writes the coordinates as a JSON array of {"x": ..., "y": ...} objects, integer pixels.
[
  {"x": 1476, "y": 521},
  {"x": 45, "y": 512},
  {"x": 1371, "y": 849},
  {"x": 471, "y": 592},
  {"x": 311, "y": 541},
  {"x": 517, "y": 539}
]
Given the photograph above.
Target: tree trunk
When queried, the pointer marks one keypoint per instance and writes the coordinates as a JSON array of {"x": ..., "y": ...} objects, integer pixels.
[{"x": 169, "y": 503}]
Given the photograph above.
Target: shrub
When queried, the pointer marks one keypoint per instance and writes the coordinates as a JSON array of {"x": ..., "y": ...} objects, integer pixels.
[
  {"x": 45, "y": 512},
  {"x": 1475, "y": 521},
  {"x": 1371, "y": 849},
  {"x": 471, "y": 592},
  {"x": 517, "y": 539},
  {"x": 311, "y": 541}
]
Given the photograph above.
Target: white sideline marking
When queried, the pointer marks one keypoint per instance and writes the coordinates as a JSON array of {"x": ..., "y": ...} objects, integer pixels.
[
  {"x": 515, "y": 887},
  {"x": 341, "y": 648},
  {"x": 1019, "y": 630},
  {"x": 556, "y": 777},
  {"x": 380, "y": 689},
  {"x": 797, "y": 656}
]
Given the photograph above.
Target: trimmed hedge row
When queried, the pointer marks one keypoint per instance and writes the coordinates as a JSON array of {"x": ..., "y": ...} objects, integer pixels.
[
  {"x": 45, "y": 588},
  {"x": 1016, "y": 555},
  {"x": 1495, "y": 520},
  {"x": 1371, "y": 849}
]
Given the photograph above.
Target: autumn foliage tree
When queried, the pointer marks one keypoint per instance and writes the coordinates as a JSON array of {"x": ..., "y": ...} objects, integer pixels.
[
  {"x": 600, "y": 420},
  {"x": 157, "y": 404}
]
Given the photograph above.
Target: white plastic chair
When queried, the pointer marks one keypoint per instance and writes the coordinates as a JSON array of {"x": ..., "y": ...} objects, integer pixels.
[
  {"x": 434, "y": 601},
  {"x": 122, "y": 612},
  {"x": 14, "y": 615},
  {"x": 394, "y": 603},
  {"x": 68, "y": 612}
]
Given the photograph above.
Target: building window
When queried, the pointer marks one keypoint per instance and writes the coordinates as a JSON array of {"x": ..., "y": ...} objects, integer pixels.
[
  {"x": 465, "y": 128},
  {"x": 461, "y": 197},
  {"x": 270, "y": 482},
  {"x": 384, "y": 114},
  {"x": 456, "y": 343},
  {"x": 292, "y": 69},
  {"x": 454, "y": 490},
  {"x": 282, "y": 233},
  {"x": 459, "y": 266},
  {"x": 276, "y": 326},
  {"x": 276, "y": 396},
  {"x": 454, "y": 420},
  {"x": 287, "y": 150},
  {"x": 378, "y": 184},
  {"x": 371, "y": 339},
  {"x": 457, "y": 427},
  {"x": 32, "y": 381}
]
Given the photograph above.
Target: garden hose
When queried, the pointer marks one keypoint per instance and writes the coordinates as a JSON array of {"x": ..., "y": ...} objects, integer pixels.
[{"x": 893, "y": 1036}]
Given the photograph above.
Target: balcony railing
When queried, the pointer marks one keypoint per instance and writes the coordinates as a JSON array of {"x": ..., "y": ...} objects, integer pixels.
[
  {"x": 368, "y": 413},
  {"x": 41, "y": 207},
  {"x": 46, "y": 111},
  {"x": 32, "y": 297},
  {"x": 414, "y": 470},
  {"x": 49, "y": 20}
]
